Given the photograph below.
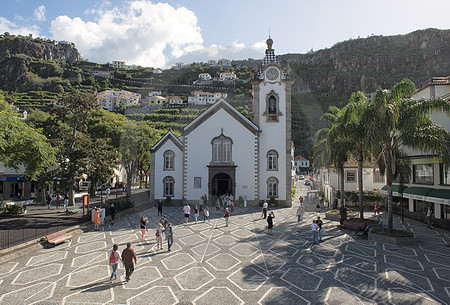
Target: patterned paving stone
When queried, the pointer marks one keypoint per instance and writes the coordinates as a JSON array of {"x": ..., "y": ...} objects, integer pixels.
[
  {"x": 194, "y": 278},
  {"x": 242, "y": 233},
  {"x": 403, "y": 263},
  {"x": 95, "y": 294},
  {"x": 156, "y": 295},
  {"x": 269, "y": 262},
  {"x": 45, "y": 258},
  {"x": 282, "y": 296},
  {"x": 212, "y": 233},
  {"x": 225, "y": 240},
  {"x": 409, "y": 279},
  {"x": 87, "y": 258},
  {"x": 178, "y": 261},
  {"x": 401, "y": 251},
  {"x": 315, "y": 263},
  {"x": 192, "y": 240},
  {"x": 442, "y": 273},
  {"x": 244, "y": 249},
  {"x": 360, "y": 263},
  {"x": 302, "y": 279},
  {"x": 247, "y": 279},
  {"x": 88, "y": 275},
  {"x": 223, "y": 262},
  {"x": 205, "y": 249},
  {"x": 30, "y": 294},
  {"x": 339, "y": 295},
  {"x": 8, "y": 267},
  {"x": 438, "y": 259},
  {"x": 37, "y": 274},
  {"x": 356, "y": 279},
  {"x": 218, "y": 295},
  {"x": 90, "y": 247},
  {"x": 91, "y": 237},
  {"x": 401, "y": 296},
  {"x": 142, "y": 276}
]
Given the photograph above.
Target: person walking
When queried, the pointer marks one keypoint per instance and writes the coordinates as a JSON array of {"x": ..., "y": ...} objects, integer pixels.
[
  {"x": 315, "y": 232},
  {"x": 187, "y": 212},
  {"x": 112, "y": 211},
  {"x": 206, "y": 214},
  {"x": 164, "y": 222},
  {"x": 49, "y": 200},
  {"x": 129, "y": 260},
  {"x": 318, "y": 206},
  {"x": 143, "y": 227},
  {"x": 169, "y": 236},
  {"x": 217, "y": 205},
  {"x": 158, "y": 234},
  {"x": 196, "y": 213},
  {"x": 300, "y": 212},
  {"x": 320, "y": 224},
  {"x": 160, "y": 207},
  {"x": 429, "y": 214},
  {"x": 114, "y": 258},
  {"x": 66, "y": 201},
  {"x": 97, "y": 217},
  {"x": 270, "y": 223},
  {"x": 342, "y": 214},
  {"x": 264, "y": 210},
  {"x": 108, "y": 192},
  {"x": 376, "y": 209},
  {"x": 227, "y": 216},
  {"x": 58, "y": 201}
]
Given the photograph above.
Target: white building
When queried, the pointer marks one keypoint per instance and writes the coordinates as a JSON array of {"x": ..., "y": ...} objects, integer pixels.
[
  {"x": 212, "y": 63},
  {"x": 101, "y": 73},
  {"x": 154, "y": 93},
  {"x": 113, "y": 99},
  {"x": 300, "y": 163},
  {"x": 221, "y": 151},
  {"x": 227, "y": 76},
  {"x": 157, "y": 71},
  {"x": 116, "y": 64},
  {"x": 176, "y": 100},
  {"x": 179, "y": 65},
  {"x": 204, "y": 98},
  {"x": 372, "y": 179},
  {"x": 204, "y": 76},
  {"x": 224, "y": 63},
  {"x": 429, "y": 184}
]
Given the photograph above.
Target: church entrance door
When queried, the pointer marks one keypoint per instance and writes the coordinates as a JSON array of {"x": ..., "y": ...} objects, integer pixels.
[{"x": 222, "y": 184}]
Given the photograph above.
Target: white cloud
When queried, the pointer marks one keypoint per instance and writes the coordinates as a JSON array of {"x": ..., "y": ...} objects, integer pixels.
[
  {"x": 39, "y": 13},
  {"x": 140, "y": 33},
  {"x": 260, "y": 45},
  {"x": 12, "y": 28}
]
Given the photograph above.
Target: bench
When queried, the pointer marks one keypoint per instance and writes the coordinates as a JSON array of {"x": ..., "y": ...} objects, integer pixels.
[
  {"x": 352, "y": 225},
  {"x": 58, "y": 237}
]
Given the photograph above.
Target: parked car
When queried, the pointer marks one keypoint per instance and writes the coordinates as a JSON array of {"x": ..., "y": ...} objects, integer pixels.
[
  {"x": 307, "y": 182},
  {"x": 301, "y": 177}
]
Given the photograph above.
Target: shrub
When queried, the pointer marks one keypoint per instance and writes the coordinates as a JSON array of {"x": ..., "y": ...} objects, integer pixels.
[
  {"x": 272, "y": 201},
  {"x": 15, "y": 209},
  {"x": 168, "y": 201},
  {"x": 241, "y": 201}
]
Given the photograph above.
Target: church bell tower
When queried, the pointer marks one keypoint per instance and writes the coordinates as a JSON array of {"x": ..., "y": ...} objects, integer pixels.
[{"x": 271, "y": 89}]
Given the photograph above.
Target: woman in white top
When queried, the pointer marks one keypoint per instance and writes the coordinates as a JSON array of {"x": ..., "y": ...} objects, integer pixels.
[
  {"x": 206, "y": 214},
  {"x": 158, "y": 234},
  {"x": 114, "y": 258}
]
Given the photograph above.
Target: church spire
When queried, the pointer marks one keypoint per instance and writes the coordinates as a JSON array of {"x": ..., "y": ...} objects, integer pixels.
[{"x": 270, "y": 53}]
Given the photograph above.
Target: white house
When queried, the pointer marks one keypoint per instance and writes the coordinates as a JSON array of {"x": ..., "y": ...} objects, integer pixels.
[
  {"x": 429, "y": 184},
  {"x": 178, "y": 65},
  {"x": 221, "y": 151},
  {"x": 204, "y": 98},
  {"x": 372, "y": 179},
  {"x": 212, "y": 63},
  {"x": 204, "y": 76},
  {"x": 176, "y": 100},
  {"x": 113, "y": 99},
  {"x": 224, "y": 63},
  {"x": 157, "y": 71},
  {"x": 300, "y": 163},
  {"x": 227, "y": 76},
  {"x": 101, "y": 73}
]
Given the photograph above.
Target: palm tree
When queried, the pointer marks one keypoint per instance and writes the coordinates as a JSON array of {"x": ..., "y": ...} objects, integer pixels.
[
  {"x": 395, "y": 121},
  {"x": 354, "y": 129},
  {"x": 330, "y": 149}
]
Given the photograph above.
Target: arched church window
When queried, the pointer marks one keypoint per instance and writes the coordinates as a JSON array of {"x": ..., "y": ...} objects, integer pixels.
[
  {"x": 272, "y": 160},
  {"x": 221, "y": 149},
  {"x": 169, "y": 157},
  {"x": 168, "y": 183},
  {"x": 272, "y": 187},
  {"x": 272, "y": 107}
]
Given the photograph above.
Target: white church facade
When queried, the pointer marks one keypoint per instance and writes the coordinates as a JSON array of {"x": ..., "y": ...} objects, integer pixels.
[{"x": 221, "y": 151}]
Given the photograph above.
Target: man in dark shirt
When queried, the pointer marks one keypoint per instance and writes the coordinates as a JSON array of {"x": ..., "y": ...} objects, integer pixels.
[
  {"x": 129, "y": 259},
  {"x": 320, "y": 223},
  {"x": 160, "y": 206}
]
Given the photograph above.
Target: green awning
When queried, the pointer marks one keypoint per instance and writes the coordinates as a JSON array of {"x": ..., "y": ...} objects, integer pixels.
[
  {"x": 395, "y": 188},
  {"x": 439, "y": 193},
  {"x": 418, "y": 191}
]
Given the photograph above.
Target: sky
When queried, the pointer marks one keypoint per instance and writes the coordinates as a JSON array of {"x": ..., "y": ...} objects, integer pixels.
[{"x": 157, "y": 34}]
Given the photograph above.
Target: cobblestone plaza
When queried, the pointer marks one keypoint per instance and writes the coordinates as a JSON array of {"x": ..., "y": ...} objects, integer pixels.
[{"x": 239, "y": 264}]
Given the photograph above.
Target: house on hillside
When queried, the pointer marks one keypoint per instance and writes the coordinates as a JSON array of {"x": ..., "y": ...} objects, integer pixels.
[
  {"x": 212, "y": 63},
  {"x": 204, "y": 98},
  {"x": 224, "y": 63},
  {"x": 301, "y": 164},
  {"x": 115, "y": 99},
  {"x": 157, "y": 71},
  {"x": 157, "y": 100},
  {"x": 204, "y": 76},
  {"x": 176, "y": 100},
  {"x": 226, "y": 76}
]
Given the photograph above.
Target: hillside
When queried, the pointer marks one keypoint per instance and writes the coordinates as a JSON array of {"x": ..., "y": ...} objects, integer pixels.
[{"x": 37, "y": 71}]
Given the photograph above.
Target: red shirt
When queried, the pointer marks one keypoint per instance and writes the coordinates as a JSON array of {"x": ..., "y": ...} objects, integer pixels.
[{"x": 128, "y": 256}]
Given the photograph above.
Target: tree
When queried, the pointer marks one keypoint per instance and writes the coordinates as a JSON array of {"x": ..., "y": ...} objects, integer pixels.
[
  {"x": 354, "y": 129},
  {"x": 332, "y": 149},
  {"x": 58, "y": 89},
  {"x": 396, "y": 121}
]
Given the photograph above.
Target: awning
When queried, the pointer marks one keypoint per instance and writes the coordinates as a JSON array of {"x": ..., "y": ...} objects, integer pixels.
[
  {"x": 439, "y": 196},
  {"x": 418, "y": 193},
  {"x": 397, "y": 190}
]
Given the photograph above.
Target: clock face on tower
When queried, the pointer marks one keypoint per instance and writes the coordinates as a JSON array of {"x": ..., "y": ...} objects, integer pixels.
[{"x": 272, "y": 73}]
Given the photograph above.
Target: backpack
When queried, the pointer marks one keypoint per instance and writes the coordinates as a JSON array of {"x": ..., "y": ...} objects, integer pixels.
[
  {"x": 157, "y": 233},
  {"x": 113, "y": 258}
]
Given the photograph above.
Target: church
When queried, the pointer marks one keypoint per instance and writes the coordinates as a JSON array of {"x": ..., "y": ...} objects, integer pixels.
[{"x": 221, "y": 151}]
